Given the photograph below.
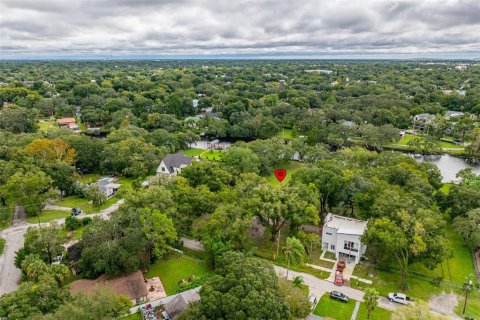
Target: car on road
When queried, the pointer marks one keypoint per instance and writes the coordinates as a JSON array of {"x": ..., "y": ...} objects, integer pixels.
[
  {"x": 338, "y": 281},
  {"x": 75, "y": 212},
  {"x": 399, "y": 298},
  {"x": 335, "y": 295}
]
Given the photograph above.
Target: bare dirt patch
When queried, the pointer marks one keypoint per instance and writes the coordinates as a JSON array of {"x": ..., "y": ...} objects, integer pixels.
[{"x": 444, "y": 303}]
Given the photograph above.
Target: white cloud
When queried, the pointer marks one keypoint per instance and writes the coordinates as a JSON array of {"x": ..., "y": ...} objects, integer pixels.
[{"x": 148, "y": 27}]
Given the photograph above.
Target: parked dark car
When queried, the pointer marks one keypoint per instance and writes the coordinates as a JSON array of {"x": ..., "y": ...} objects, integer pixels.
[
  {"x": 76, "y": 212},
  {"x": 335, "y": 295}
]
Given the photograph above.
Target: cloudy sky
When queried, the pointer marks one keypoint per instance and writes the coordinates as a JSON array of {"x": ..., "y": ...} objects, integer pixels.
[{"x": 149, "y": 28}]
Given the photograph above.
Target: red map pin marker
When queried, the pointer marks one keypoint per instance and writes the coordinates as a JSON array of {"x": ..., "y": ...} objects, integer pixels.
[{"x": 280, "y": 174}]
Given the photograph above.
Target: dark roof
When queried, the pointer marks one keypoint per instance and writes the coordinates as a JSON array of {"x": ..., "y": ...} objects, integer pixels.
[
  {"x": 176, "y": 161},
  {"x": 175, "y": 307}
]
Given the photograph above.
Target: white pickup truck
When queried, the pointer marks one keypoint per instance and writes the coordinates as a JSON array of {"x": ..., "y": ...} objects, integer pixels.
[{"x": 398, "y": 298}]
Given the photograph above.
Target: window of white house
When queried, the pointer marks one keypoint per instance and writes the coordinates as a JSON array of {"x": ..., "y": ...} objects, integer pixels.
[
  {"x": 328, "y": 233},
  {"x": 332, "y": 247},
  {"x": 349, "y": 245},
  {"x": 163, "y": 169}
]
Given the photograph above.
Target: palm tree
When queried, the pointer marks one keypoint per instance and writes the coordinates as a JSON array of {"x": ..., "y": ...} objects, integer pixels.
[
  {"x": 294, "y": 252},
  {"x": 298, "y": 281}
]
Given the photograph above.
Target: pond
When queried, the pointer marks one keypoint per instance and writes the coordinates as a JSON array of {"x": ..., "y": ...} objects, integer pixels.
[{"x": 449, "y": 165}]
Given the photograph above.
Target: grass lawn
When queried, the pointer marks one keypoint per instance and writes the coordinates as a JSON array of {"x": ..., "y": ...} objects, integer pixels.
[
  {"x": 287, "y": 134},
  {"x": 211, "y": 155},
  {"x": 125, "y": 182},
  {"x": 49, "y": 215},
  {"x": 193, "y": 152},
  {"x": 377, "y": 314},
  {"x": 72, "y": 234},
  {"x": 333, "y": 308},
  {"x": 175, "y": 268},
  {"x": 290, "y": 167},
  {"x": 2, "y": 245},
  {"x": 473, "y": 305},
  {"x": 82, "y": 203},
  {"x": 133, "y": 316},
  {"x": 454, "y": 269},
  {"x": 204, "y": 154},
  {"x": 403, "y": 144},
  {"x": 264, "y": 248},
  {"x": 46, "y": 125}
]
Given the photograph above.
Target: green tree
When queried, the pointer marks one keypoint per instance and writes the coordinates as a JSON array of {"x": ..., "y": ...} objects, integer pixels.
[
  {"x": 44, "y": 241},
  {"x": 242, "y": 288},
  {"x": 402, "y": 239},
  {"x": 241, "y": 160},
  {"x": 95, "y": 195},
  {"x": 294, "y": 252},
  {"x": 159, "y": 232},
  {"x": 469, "y": 227},
  {"x": 328, "y": 180},
  {"x": 297, "y": 300},
  {"x": 275, "y": 206},
  {"x": 370, "y": 299},
  {"x": 17, "y": 119},
  {"x": 102, "y": 303},
  {"x": 29, "y": 190}
]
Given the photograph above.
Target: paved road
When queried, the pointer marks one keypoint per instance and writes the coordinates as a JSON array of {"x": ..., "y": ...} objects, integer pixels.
[
  {"x": 192, "y": 244},
  {"x": 318, "y": 287},
  {"x": 9, "y": 274}
]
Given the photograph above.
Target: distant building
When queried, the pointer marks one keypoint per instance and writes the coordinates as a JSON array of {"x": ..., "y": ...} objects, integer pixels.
[
  {"x": 343, "y": 237},
  {"x": 108, "y": 186},
  {"x": 195, "y": 103},
  {"x": 66, "y": 122},
  {"x": 422, "y": 120},
  {"x": 452, "y": 114},
  {"x": 173, "y": 164}
]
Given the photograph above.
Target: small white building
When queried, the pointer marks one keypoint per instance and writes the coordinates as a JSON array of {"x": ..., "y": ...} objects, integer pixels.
[
  {"x": 173, "y": 164},
  {"x": 343, "y": 237}
]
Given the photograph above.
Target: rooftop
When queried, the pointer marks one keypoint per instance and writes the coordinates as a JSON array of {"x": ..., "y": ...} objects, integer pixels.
[
  {"x": 177, "y": 160},
  {"x": 133, "y": 285},
  {"x": 345, "y": 225}
]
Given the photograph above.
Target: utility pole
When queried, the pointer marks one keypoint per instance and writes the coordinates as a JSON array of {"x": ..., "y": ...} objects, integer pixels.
[{"x": 467, "y": 288}]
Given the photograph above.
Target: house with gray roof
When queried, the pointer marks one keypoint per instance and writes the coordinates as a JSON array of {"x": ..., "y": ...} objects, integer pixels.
[{"x": 173, "y": 164}]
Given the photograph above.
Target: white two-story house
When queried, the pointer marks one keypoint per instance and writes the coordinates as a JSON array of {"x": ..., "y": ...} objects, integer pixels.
[
  {"x": 173, "y": 164},
  {"x": 342, "y": 236}
]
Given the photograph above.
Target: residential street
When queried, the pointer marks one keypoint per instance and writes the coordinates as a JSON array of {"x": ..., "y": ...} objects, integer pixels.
[
  {"x": 9, "y": 274},
  {"x": 318, "y": 287}
]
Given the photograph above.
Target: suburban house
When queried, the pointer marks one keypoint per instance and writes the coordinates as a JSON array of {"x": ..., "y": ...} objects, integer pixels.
[
  {"x": 108, "y": 186},
  {"x": 342, "y": 236},
  {"x": 175, "y": 307},
  {"x": 70, "y": 123},
  {"x": 452, "y": 114},
  {"x": 173, "y": 164},
  {"x": 422, "y": 120},
  {"x": 132, "y": 286}
]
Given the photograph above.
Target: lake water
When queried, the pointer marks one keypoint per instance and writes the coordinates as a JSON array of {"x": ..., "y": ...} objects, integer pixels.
[{"x": 449, "y": 165}]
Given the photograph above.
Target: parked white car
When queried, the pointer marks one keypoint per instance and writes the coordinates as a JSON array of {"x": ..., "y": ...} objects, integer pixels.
[{"x": 399, "y": 298}]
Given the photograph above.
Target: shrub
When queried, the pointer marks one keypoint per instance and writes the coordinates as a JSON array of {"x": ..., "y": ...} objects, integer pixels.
[
  {"x": 86, "y": 220},
  {"x": 72, "y": 223}
]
